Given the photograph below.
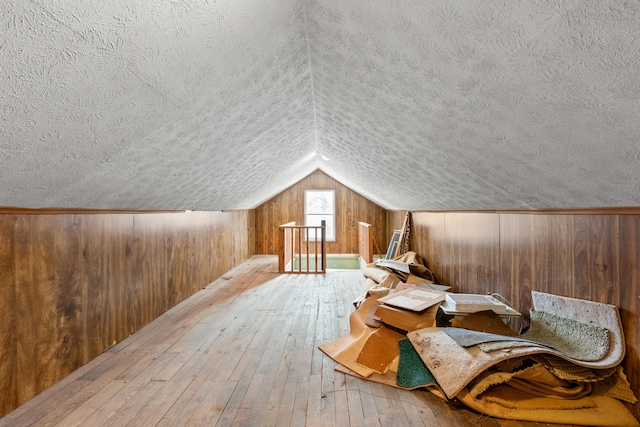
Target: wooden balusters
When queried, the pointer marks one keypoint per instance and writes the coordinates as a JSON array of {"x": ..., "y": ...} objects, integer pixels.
[{"x": 300, "y": 246}]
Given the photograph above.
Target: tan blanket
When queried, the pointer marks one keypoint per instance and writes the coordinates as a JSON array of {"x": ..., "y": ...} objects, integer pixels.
[{"x": 512, "y": 404}]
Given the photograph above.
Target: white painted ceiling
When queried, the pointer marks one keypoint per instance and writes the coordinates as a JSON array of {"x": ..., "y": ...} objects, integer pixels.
[{"x": 415, "y": 104}]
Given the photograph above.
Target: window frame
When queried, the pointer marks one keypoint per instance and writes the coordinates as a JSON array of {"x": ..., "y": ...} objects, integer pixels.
[{"x": 330, "y": 230}]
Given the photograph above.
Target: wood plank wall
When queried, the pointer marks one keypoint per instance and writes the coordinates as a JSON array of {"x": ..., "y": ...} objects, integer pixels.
[
  {"x": 350, "y": 209},
  {"x": 584, "y": 255},
  {"x": 72, "y": 285}
]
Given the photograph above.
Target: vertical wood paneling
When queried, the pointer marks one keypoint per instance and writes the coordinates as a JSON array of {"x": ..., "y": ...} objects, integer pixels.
[
  {"x": 96, "y": 276},
  {"x": 180, "y": 262},
  {"x": 552, "y": 249},
  {"x": 73, "y": 285},
  {"x": 200, "y": 245},
  {"x": 25, "y": 324},
  {"x": 8, "y": 316},
  {"x": 629, "y": 296},
  {"x": 596, "y": 238},
  {"x": 394, "y": 221},
  {"x": 427, "y": 239},
  {"x": 152, "y": 242},
  {"x": 70, "y": 300},
  {"x": 35, "y": 265},
  {"x": 517, "y": 259},
  {"x": 241, "y": 244},
  {"x": 226, "y": 241},
  {"x": 351, "y": 208},
  {"x": 587, "y": 256},
  {"x": 473, "y": 255},
  {"x": 536, "y": 253},
  {"x": 119, "y": 274}
]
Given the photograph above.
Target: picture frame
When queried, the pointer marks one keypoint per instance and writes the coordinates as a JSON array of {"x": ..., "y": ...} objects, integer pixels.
[{"x": 393, "y": 244}]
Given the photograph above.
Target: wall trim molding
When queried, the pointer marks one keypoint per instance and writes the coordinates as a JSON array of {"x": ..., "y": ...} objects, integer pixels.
[
  {"x": 631, "y": 210},
  {"x": 71, "y": 211}
]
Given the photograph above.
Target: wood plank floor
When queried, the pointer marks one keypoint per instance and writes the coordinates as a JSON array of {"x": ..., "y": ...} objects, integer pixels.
[{"x": 241, "y": 352}]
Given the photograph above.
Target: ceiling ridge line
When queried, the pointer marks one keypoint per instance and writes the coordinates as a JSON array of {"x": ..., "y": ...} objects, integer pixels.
[{"x": 313, "y": 95}]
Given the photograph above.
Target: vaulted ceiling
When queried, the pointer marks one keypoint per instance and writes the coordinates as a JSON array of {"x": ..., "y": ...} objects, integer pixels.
[{"x": 415, "y": 104}]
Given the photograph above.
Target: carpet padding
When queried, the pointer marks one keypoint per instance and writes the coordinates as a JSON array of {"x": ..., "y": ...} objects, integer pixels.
[
  {"x": 468, "y": 338},
  {"x": 574, "y": 339},
  {"x": 454, "y": 366}
]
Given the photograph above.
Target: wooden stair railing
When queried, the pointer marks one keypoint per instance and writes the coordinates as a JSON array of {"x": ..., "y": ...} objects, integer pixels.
[
  {"x": 304, "y": 245},
  {"x": 365, "y": 242}
]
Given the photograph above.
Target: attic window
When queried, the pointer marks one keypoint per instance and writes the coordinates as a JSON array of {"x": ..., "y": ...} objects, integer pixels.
[{"x": 320, "y": 205}]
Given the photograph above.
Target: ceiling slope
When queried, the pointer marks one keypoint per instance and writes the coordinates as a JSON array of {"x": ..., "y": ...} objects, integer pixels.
[
  {"x": 480, "y": 104},
  {"x": 210, "y": 105},
  {"x": 153, "y": 104}
]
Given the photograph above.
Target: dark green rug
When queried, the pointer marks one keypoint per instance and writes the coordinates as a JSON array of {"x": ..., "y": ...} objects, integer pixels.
[{"x": 412, "y": 372}]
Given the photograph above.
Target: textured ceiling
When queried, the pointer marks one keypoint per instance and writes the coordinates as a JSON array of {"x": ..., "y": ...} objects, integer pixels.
[{"x": 210, "y": 105}]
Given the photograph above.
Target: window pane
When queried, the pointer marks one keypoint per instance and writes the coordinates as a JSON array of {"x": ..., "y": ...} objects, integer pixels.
[
  {"x": 320, "y": 205},
  {"x": 319, "y": 202},
  {"x": 316, "y": 220}
]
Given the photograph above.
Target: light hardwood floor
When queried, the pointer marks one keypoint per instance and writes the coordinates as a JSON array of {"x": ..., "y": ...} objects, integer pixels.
[{"x": 241, "y": 352}]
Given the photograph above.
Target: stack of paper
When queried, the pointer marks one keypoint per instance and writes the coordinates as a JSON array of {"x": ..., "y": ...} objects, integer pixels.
[{"x": 414, "y": 299}]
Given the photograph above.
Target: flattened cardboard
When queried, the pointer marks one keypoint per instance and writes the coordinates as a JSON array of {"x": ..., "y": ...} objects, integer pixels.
[{"x": 405, "y": 319}]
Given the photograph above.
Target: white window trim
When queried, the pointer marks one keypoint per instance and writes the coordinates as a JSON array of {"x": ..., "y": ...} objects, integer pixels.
[{"x": 329, "y": 226}]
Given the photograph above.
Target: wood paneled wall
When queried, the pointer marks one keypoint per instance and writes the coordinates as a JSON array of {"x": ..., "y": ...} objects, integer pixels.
[
  {"x": 350, "y": 209},
  {"x": 581, "y": 255},
  {"x": 72, "y": 285}
]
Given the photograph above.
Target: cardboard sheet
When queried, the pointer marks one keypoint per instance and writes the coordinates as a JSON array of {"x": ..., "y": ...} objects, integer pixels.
[{"x": 380, "y": 349}]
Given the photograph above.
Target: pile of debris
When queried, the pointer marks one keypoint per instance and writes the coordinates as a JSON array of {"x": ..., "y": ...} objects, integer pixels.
[{"x": 566, "y": 368}]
